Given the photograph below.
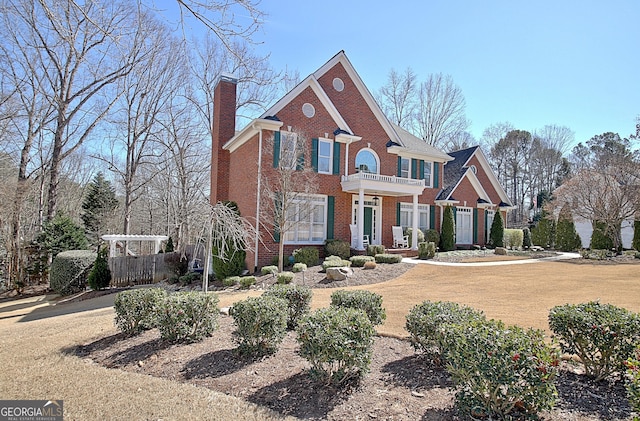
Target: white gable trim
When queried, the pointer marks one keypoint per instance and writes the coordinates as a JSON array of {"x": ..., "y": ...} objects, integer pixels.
[
  {"x": 477, "y": 186},
  {"x": 362, "y": 88},
  {"x": 249, "y": 131},
  {"x": 310, "y": 82},
  {"x": 490, "y": 174}
]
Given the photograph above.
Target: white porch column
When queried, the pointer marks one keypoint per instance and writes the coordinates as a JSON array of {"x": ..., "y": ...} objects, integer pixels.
[
  {"x": 414, "y": 224},
  {"x": 360, "y": 218}
]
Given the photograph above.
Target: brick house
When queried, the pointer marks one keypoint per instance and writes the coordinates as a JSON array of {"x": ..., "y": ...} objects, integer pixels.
[{"x": 370, "y": 174}]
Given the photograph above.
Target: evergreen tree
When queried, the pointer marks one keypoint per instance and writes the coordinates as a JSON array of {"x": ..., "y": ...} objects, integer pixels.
[
  {"x": 566, "y": 235},
  {"x": 496, "y": 235},
  {"x": 61, "y": 234},
  {"x": 636, "y": 235},
  {"x": 100, "y": 275},
  {"x": 169, "y": 247},
  {"x": 526, "y": 238},
  {"x": 600, "y": 239},
  {"x": 541, "y": 234},
  {"x": 98, "y": 206},
  {"x": 448, "y": 236}
]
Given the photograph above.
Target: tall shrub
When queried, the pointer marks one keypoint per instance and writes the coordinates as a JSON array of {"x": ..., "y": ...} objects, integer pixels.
[
  {"x": 526, "y": 238},
  {"x": 600, "y": 239},
  {"x": 566, "y": 235},
  {"x": 100, "y": 275},
  {"x": 227, "y": 261},
  {"x": 448, "y": 235},
  {"x": 496, "y": 235},
  {"x": 69, "y": 271},
  {"x": 541, "y": 233}
]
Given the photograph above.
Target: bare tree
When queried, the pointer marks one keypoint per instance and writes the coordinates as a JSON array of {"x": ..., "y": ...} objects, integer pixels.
[
  {"x": 398, "y": 97},
  {"x": 288, "y": 189},
  {"x": 441, "y": 110}
]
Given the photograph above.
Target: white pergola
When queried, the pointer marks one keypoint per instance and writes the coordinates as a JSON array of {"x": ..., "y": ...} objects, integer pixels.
[{"x": 114, "y": 239}]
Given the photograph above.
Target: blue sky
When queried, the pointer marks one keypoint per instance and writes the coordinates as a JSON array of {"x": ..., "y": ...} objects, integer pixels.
[{"x": 570, "y": 63}]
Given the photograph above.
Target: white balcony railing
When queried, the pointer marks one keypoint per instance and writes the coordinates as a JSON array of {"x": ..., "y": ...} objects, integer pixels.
[{"x": 384, "y": 179}]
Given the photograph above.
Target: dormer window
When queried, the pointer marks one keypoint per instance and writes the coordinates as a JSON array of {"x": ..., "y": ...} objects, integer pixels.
[{"x": 367, "y": 161}]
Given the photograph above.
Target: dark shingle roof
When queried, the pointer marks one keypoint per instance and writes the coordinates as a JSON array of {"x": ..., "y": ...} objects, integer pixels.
[{"x": 454, "y": 171}]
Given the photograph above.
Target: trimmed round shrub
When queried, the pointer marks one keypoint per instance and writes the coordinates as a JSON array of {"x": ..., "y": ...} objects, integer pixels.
[
  {"x": 231, "y": 281},
  {"x": 261, "y": 324},
  {"x": 603, "y": 336},
  {"x": 410, "y": 234},
  {"x": 69, "y": 271},
  {"x": 373, "y": 249},
  {"x": 426, "y": 250},
  {"x": 388, "y": 258},
  {"x": 432, "y": 236},
  {"x": 369, "y": 302},
  {"x": 137, "y": 309},
  {"x": 307, "y": 255},
  {"x": 500, "y": 372},
  {"x": 335, "y": 262},
  {"x": 337, "y": 248},
  {"x": 246, "y": 281},
  {"x": 298, "y": 298},
  {"x": 369, "y": 265},
  {"x": 426, "y": 322},
  {"x": 359, "y": 261},
  {"x": 188, "y": 316},
  {"x": 299, "y": 267},
  {"x": 337, "y": 342},
  {"x": 269, "y": 270},
  {"x": 285, "y": 277}
]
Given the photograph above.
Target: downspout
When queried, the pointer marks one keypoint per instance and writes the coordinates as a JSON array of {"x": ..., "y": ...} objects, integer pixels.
[{"x": 257, "y": 239}]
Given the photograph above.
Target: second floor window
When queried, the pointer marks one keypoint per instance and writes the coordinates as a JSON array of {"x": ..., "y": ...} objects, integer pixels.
[
  {"x": 405, "y": 168},
  {"x": 288, "y": 150},
  {"x": 366, "y": 162},
  {"x": 325, "y": 156}
]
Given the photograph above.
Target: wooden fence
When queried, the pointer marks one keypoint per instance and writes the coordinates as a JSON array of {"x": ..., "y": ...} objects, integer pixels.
[{"x": 138, "y": 270}]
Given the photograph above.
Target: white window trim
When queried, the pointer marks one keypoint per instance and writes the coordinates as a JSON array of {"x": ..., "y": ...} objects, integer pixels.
[
  {"x": 402, "y": 159},
  {"x": 322, "y": 200},
  {"x": 422, "y": 209},
  {"x": 428, "y": 164},
  {"x": 330, "y": 142},
  {"x": 375, "y": 156}
]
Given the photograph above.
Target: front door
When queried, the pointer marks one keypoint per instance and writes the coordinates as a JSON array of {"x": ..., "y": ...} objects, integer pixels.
[
  {"x": 371, "y": 217},
  {"x": 368, "y": 222}
]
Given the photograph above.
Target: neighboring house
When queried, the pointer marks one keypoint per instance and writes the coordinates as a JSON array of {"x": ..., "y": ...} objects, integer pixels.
[{"x": 371, "y": 174}]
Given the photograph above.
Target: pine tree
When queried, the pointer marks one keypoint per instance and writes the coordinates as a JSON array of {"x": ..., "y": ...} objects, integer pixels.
[
  {"x": 496, "y": 235},
  {"x": 600, "y": 240},
  {"x": 566, "y": 235},
  {"x": 61, "y": 234},
  {"x": 169, "y": 247},
  {"x": 100, "y": 276},
  {"x": 447, "y": 237},
  {"x": 98, "y": 206}
]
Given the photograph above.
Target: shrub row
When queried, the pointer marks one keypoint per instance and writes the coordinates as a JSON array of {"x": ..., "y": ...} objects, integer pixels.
[
  {"x": 180, "y": 317},
  {"x": 388, "y": 258}
]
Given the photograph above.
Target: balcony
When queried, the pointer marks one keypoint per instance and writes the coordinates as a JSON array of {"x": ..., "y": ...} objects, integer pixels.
[{"x": 384, "y": 185}]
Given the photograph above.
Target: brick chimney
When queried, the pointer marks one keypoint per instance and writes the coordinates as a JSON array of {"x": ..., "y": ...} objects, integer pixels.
[{"x": 224, "y": 128}]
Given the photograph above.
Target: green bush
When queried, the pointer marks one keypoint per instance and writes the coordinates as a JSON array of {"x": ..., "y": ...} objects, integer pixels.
[
  {"x": 600, "y": 238},
  {"x": 189, "y": 278},
  {"x": 633, "y": 375},
  {"x": 426, "y": 250},
  {"x": 603, "y": 336},
  {"x": 307, "y": 255},
  {"x": 432, "y": 236},
  {"x": 496, "y": 233},
  {"x": 410, "y": 234},
  {"x": 298, "y": 298},
  {"x": 246, "y": 281},
  {"x": 635, "y": 243},
  {"x": 285, "y": 277},
  {"x": 62, "y": 234},
  {"x": 261, "y": 324},
  {"x": 425, "y": 323},
  {"x": 567, "y": 238},
  {"x": 188, "y": 316},
  {"x": 388, "y": 258},
  {"x": 369, "y": 302},
  {"x": 100, "y": 275},
  {"x": 359, "y": 261},
  {"x": 373, "y": 249},
  {"x": 298, "y": 267},
  {"x": 269, "y": 270},
  {"x": 231, "y": 281},
  {"x": 513, "y": 238},
  {"x": 69, "y": 271},
  {"x": 178, "y": 263},
  {"x": 137, "y": 309},
  {"x": 500, "y": 372},
  {"x": 337, "y": 248},
  {"x": 337, "y": 342},
  {"x": 448, "y": 235},
  {"x": 335, "y": 262},
  {"x": 526, "y": 238}
]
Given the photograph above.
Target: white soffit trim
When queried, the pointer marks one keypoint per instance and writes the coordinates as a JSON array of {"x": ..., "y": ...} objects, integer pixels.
[
  {"x": 249, "y": 131},
  {"x": 408, "y": 153},
  {"x": 312, "y": 83},
  {"x": 362, "y": 88}
]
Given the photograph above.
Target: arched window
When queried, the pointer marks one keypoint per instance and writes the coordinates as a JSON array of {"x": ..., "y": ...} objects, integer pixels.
[{"x": 367, "y": 161}]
